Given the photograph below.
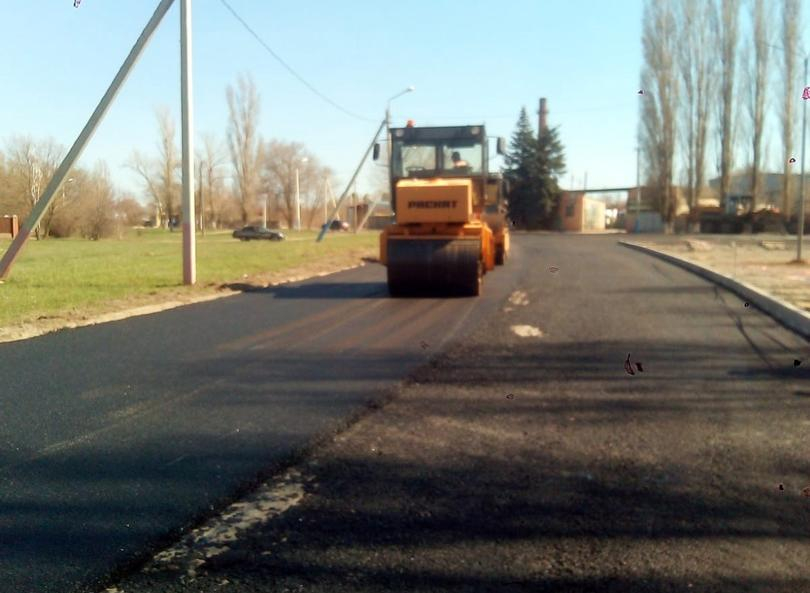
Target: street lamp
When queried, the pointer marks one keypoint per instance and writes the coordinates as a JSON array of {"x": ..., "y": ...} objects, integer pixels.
[
  {"x": 637, "y": 224},
  {"x": 68, "y": 180},
  {"x": 298, "y": 197},
  {"x": 800, "y": 230},
  {"x": 410, "y": 89},
  {"x": 264, "y": 209}
]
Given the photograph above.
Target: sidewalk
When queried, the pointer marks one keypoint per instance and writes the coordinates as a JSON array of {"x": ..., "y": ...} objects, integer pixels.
[{"x": 762, "y": 261}]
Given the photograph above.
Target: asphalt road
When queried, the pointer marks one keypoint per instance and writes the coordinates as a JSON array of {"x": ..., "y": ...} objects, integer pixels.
[
  {"x": 538, "y": 463},
  {"x": 586, "y": 478},
  {"x": 116, "y": 436}
]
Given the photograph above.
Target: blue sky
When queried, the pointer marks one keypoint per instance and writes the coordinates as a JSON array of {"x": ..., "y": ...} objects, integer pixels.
[{"x": 473, "y": 61}]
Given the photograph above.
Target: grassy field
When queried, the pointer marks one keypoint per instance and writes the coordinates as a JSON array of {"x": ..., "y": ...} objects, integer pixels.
[{"x": 70, "y": 276}]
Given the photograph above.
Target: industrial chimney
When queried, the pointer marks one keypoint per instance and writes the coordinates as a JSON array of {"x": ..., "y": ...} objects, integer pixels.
[{"x": 543, "y": 114}]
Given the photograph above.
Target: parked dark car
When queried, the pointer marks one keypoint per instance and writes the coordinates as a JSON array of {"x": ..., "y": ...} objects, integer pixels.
[
  {"x": 256, "y": 232},
  {"x": 338, "y": 225}
]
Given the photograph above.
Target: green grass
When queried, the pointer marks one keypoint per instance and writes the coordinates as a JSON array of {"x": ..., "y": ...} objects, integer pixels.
[{"x": 59, "y": 276}]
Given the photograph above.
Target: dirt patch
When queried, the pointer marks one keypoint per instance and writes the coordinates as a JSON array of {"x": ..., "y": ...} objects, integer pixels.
[{"x": 146, "y": 304}]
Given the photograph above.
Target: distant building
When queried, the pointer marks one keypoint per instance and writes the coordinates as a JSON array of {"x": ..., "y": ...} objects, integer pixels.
[{"x": 580, "y": 213}]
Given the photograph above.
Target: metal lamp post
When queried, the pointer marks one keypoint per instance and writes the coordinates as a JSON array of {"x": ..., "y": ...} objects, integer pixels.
[
  {"x": 800, "y": 230},
  {"x": 298, "y": 197},
  {"x": 69, "y": 180},
  {"x": 638, "y": 188},
  {"x": 187, "y": 147},
  {"x": 410, "y": 89}
]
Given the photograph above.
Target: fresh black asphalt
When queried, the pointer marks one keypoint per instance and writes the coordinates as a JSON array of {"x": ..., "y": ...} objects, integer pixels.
[{"x": 117, "y": 436}]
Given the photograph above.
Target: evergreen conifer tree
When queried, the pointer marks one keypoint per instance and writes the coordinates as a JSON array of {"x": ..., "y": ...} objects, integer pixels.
[
  {"x": 533, "y": 165},
  {"x": 520, "y": 163}
]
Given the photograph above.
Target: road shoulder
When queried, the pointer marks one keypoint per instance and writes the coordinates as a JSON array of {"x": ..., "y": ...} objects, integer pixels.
[{"x": 782, "y": 311}]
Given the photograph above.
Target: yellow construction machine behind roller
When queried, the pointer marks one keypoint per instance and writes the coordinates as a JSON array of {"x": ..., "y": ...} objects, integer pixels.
[{"x": 450, "y": 211}]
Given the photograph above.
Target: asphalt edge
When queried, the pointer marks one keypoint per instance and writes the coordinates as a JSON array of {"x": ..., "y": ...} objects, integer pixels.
[
  {"x": 299, "y": 457},
  {"x": 160, "y": 307},
  {"x": 791, "y": 317}
]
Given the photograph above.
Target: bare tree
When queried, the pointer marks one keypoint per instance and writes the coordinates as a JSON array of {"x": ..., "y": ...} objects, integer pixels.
[
  {"x": 98, "y": 205},
  {"x": 243, "y": 140},
  {"x": 660, "y": 84},
  {"x": 160, "y": 175},
  {"x": 791, "y": 15},
  {"x": 726, "y": 32},
  {"x": 314, "y": 180},
  {"x": 31, "y": 166},
  {"x": 169, "y": 161},
  {"x": 279, "y": 162},
  {"x": 129, "y": 210},
  {"x": 66, "y": 220},
  {"x": 757, "y": 75},
  {"x": 211, "y": 180},
  {"x": 696, "y": 65}
]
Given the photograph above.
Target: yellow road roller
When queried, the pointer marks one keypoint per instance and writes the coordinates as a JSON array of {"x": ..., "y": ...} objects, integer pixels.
[{"x": 450, "y": 211}]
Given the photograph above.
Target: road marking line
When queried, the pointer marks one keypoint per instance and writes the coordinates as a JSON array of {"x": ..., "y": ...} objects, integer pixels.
[
  {"x": 519, "y": 298},
  {"x": 527, "y": 331}
]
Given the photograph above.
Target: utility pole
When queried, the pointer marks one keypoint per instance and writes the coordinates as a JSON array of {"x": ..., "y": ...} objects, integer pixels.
[
  {"x": 351, "y": 181},
  {"x": 354, "y": 207},
  {"x": 325, "y": 199},
  {"x": 187, "y": 130},
  {"x": 386, "y": 123}
]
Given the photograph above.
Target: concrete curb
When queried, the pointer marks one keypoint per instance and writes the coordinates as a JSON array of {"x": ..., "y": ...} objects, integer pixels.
[{"x": 791, "y": 317}]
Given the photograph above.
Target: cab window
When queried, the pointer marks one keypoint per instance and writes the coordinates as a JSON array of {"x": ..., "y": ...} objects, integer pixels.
[{"x": 467, "y": 158}]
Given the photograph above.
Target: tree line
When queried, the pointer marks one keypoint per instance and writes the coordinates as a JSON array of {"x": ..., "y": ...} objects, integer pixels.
[
  {"x": 713, "y": 71},
  {"x": 88, "y": 203},
  {"x": 234, "y": 178}
]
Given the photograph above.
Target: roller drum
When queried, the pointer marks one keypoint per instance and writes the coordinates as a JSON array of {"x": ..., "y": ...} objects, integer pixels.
[{"x": 434, "y": 266}]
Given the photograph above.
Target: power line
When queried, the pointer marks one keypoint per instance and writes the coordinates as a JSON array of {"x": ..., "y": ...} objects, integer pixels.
[{"x": 289, "y": 68}]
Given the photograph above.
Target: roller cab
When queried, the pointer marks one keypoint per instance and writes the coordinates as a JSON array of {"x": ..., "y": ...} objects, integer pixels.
[{"x": 441, "y": 243}]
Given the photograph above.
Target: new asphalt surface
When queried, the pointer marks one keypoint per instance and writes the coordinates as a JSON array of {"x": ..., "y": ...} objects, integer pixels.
[
  {"x": 513, "y": 460},
  {"x": 116, "y": 436}
]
